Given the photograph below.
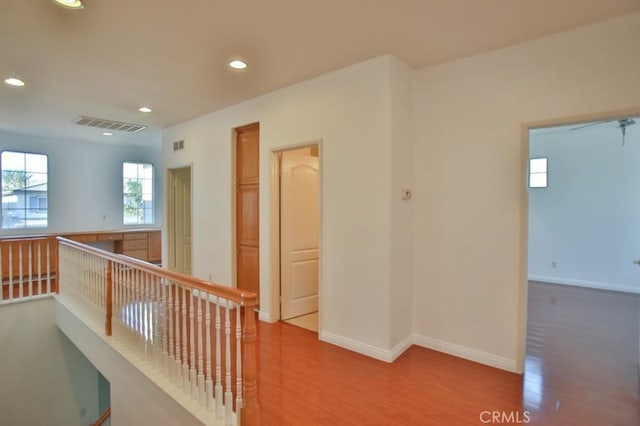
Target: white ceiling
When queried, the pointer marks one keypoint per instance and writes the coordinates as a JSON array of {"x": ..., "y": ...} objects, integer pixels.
[{"x": 115, "y": 55}]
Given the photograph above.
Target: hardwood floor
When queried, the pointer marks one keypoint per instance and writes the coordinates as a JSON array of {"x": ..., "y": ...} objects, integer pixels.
[{"x": 582, "y": 349}]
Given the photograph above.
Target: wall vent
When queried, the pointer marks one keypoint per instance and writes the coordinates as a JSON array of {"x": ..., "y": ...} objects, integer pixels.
[
  {"x": 103, "y": 124},
  {"x": 178, "y": 146}
]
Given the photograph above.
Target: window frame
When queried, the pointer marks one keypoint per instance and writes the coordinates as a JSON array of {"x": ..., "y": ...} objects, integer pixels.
[
  {"x": 536, "y": 173},
  {"x": 26, "y": 208},
  {"x": 145, "y": 212}
]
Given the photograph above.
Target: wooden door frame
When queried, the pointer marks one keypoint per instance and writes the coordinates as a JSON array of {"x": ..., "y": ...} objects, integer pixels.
[
  {"x": 170, "y": 239},
  {"x": 274, "y": 231},
  {"x": 525, "y": 128}
]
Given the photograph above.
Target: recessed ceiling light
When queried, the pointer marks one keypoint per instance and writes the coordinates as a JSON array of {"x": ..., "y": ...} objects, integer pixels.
[
  {"x": 107, "y": 133},
  {"x": 12, "y": 81},
  {"x": 69, "y": 4},
  {"x": 238, "y": 64},
  {"x": 144, "y": 109}
]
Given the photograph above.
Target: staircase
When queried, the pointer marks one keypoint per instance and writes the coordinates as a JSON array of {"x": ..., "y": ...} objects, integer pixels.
[{"x": 194, "y": 340}]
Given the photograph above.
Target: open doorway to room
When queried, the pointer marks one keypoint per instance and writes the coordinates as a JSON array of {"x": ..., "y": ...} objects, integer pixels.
[
  {"x": 583, "y": 290},
  {"x": 297, "y": 200}
]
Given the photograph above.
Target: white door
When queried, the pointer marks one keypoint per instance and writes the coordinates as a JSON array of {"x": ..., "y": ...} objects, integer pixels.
[{"x": 299, "y": 235}]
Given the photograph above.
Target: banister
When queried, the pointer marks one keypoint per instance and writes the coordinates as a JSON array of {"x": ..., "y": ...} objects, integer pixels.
[
  {"x": 103, "y": 418},
  {"x": 244, "y": 298},
  {"x": 118, "y": 292}
]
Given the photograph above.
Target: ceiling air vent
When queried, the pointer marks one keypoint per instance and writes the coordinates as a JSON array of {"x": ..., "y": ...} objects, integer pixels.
[
  {"x": 101, "y": 123},
  {"x": 178, "y": 146}
]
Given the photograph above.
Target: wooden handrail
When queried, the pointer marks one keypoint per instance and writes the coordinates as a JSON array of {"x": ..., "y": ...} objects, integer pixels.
[
  {"x": 243, "y": 298},
  {"x": 250, "y": 409},
  {"x": 103, "y": 418}
]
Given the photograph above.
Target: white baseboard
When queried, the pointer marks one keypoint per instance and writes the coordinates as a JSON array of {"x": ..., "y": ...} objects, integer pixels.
[
  {"x": 361, "y": 348},
  {"x": 401, "y": 347},
  {"x": 426, "y": 342},
  {"x": 466, "y": 353},
  {"x": 265, "y": 316},
  {"x": 584, "y": 283}
]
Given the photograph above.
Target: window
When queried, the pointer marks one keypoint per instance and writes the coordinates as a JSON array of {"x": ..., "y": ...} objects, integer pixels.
[
  {"x": 538, "y": 173},
  {"x": 24, "y": 190},
  {"x": 137, "y": 193}
]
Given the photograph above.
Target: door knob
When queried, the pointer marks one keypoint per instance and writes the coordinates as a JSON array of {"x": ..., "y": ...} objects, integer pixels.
[{"x": 637, "y": 262}]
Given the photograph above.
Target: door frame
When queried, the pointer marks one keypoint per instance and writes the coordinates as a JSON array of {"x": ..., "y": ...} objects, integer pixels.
[
  {"x": 274, "y": 232},
  {"x": 170, "y": 239},
  {"x": 525, "y": 127}
]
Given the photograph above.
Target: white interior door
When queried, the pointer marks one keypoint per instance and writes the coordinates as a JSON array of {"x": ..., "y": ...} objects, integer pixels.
[{"x": 299, "y": 225}]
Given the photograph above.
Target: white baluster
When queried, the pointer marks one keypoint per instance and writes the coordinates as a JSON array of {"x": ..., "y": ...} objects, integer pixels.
[
  {"x": 201, "y": 385},
  {"x": 207, "y": 331},
  {"x": 165, "y": 328},
  {"x": 228, "y": 396},
  {"x": 178, "y": 366},
  {"x": 185, "y": 348},
  {"x": 49, "y": 270},
  {"x": 219, "y": 406},
  {"x": 192, "y": 348},
  {"x": 157, "y": 321},
  {"x": 172, "y": 375}
]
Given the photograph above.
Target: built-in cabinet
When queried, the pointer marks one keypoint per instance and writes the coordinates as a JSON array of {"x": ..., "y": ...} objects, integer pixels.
[{"x": 142, "y": 244}]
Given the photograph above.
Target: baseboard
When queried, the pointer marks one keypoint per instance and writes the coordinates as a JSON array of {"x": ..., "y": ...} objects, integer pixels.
[
  {"x": 466, "y": 353},
  {"x": 584, "y": 283},
  {"x": 265, "y": 316},
  {"x": 401, "y": 347},
  {"x": 359, "y": 347}
]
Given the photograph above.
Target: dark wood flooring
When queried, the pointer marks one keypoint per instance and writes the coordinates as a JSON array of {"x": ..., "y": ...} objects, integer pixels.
[{"x": 581, "y": 370}]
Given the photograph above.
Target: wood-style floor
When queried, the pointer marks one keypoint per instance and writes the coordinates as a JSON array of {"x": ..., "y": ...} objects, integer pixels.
[{"x": 581, "y": 370}]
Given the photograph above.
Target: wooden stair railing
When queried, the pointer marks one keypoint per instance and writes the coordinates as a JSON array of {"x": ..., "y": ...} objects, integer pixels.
[
  {"x": 28, "y": 267},
  {"x": 103, "y": 418},
  {"x": 201, "y": 335}
]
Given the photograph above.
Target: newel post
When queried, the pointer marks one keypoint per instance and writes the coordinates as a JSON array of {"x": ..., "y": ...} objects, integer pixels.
[
  {"x": 109, "y": 300},
  {"x": 250, "y": 413}
]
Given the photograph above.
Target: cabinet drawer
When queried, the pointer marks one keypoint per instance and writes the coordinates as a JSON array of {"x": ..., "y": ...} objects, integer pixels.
[
  {"x": 109, "y": 237},
  {"x": 138, "y": 254},
  {"x": 135, "y": 236},
  {"x": 134, "y": 245},
  {"x": 83, "y": 238}
]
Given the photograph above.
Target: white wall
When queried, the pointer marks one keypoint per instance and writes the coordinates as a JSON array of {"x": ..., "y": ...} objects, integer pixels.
[
  {"x": 586, "y": 220},
  {"x": 402, "y": 172},
  {"x": 45, "y": 378},
  {"x": 85, "y": 182},
  {"x": 349, "y": 110},
  {"x": 137, "y": 398},
  {"x": 469, "y": 175}
]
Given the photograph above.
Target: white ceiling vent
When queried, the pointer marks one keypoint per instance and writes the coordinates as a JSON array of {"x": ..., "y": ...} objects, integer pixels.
[
  {"x": 103, "y": 124},
  {"x": 178, "y": 146}
]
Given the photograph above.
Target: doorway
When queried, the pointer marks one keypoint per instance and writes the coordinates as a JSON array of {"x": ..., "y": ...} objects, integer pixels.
[
  {"x": 179, "y": 219},
  {"x": 580, "y": 284},
  {"x": 298, "y": 201}
]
